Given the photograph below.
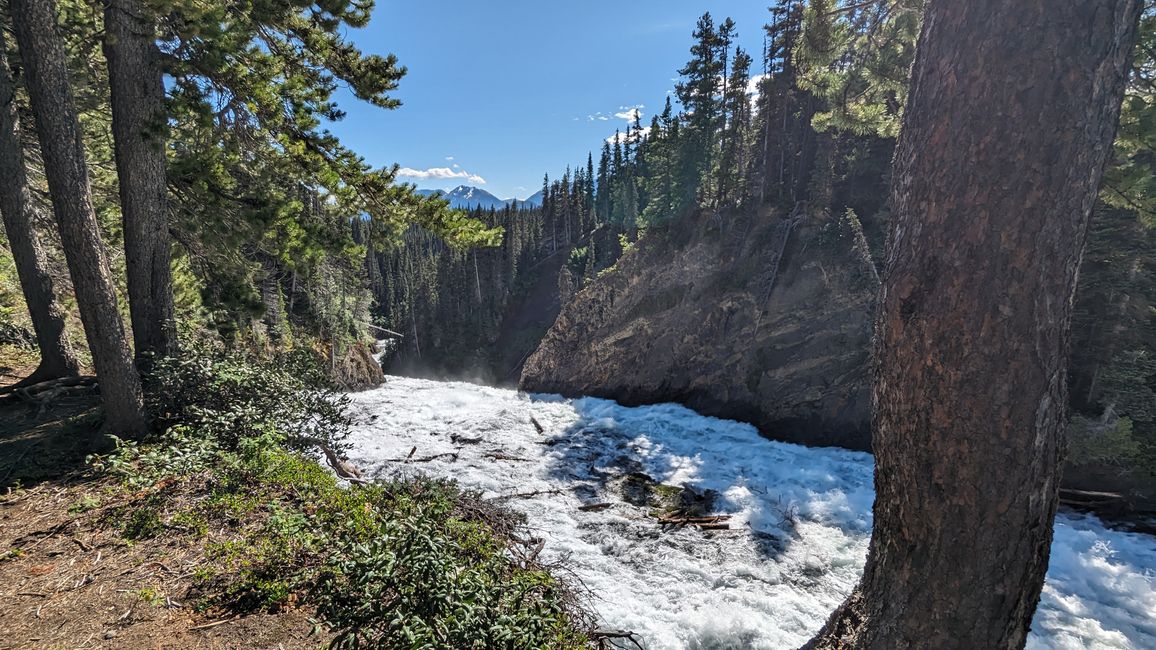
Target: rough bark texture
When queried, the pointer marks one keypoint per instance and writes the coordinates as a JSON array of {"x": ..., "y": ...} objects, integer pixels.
[
  {"x": 1012, "y": 113},
  {"x": 767, "y": 321},
  {"x": 56, "y": 355},
  {"x": 138, "y": 126},
  {"x": 62, "y": 146}
]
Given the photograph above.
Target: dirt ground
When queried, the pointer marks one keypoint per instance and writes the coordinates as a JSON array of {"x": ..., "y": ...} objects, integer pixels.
[{"x": 68, "y": 578}]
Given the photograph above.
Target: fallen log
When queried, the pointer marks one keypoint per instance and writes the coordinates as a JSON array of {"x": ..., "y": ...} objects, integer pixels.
[
  {"x": 450, "y": 454},
  {"x": 39, "y": 387},
  {"x": 602, "y": 636},
  {"x": 534, "y": 553},
  {"x": 537, "y": 425},
  {"x": 525, "y": 495},
  {"x": 341, "y": 465},
  {"x": 496, "y": 455},
  {"x": 594, "y": 507},
  {"x": 1086, "y": 496},
  {"x": 1106, "y": 503},
  {"x": 697, "y": 521},
  {"x": 426, "y": 459}
]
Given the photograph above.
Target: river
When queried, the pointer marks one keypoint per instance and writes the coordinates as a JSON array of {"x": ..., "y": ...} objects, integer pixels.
[{"x": 799, "y": 527}]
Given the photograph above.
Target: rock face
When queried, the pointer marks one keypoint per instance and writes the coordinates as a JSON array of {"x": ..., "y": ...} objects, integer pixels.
[{"x": 765, "y": 319}]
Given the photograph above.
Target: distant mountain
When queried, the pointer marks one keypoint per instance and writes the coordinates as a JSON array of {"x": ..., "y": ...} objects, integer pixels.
[
  {"x": 533, "y": 201},
  {"x": 466, "y": 197}
]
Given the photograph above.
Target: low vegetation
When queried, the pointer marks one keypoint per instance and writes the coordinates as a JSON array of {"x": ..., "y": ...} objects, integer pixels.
[{"x": 409, "y": 563}]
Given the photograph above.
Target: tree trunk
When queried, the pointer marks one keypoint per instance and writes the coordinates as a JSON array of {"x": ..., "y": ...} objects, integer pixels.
[
  {"x": 56, "y": 355},
  {"x": 62, "y": 145},
  {"x": 1011, "y": 117},
  {"x": 138, "y": 127}
]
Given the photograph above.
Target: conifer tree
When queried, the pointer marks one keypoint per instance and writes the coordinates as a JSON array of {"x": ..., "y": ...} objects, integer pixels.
[
  {"x": 971, "y": 367},
  {"x": 57, "y": 358},
  {"x": 698, "y": 93},
  {"x": 61, "y": 143},
  {"x": 139, "y": 123},
  {"x": 736, "y": 131}
]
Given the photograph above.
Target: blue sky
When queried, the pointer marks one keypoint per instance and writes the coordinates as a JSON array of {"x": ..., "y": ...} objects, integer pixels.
[{"x": 505, "y": 91}]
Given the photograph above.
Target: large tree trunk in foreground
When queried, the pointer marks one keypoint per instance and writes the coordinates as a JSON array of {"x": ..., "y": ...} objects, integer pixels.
[
  {"x": 61, "y": 144},
  {"x": 138, "y": 128},
  {"x": 1013, "y": 108},
  {"x": 56, "y": 356}
]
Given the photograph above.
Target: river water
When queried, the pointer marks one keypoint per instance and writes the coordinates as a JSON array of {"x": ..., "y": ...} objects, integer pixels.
[{"x": 799, "y": 527}]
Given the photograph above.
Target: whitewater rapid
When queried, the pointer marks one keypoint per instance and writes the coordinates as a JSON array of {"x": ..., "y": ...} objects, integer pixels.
[{"x": 799, "y": 528}]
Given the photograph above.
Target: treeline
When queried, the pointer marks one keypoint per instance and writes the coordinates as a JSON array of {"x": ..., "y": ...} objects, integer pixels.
[
  {"x": 451, "y": 305},
  {"x": 181, "y": 149},
  {"x": 807, "y": 127}
]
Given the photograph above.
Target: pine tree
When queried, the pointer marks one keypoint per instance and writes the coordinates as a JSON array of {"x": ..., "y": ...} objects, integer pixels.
[
  {"x": 698, "y": 93},
  {"x": 62, "y": 145},
  {"x": 973, "y": 330},
  {"x": 57, "y": 358},
  {"x": 736, "y": 132},
  {"x": 602, "y": 201},
  {"x": 139, "y": 123}
]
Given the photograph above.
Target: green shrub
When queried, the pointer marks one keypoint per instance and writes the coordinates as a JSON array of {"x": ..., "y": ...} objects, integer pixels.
[
  {"x": 427, "y": 574},
  {"x": 408, "y": 564},
  {"x": 230, "y": 398}
]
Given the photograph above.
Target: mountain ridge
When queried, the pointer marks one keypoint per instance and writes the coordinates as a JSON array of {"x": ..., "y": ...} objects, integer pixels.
[{"x": 467, "y": 197}]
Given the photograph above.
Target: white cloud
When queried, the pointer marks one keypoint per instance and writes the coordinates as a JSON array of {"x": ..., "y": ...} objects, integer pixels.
[
  {"x": 753, "y": 85},
  {"x": 629, "y": 113},
  {"x": 450, "y": 158},
  {"x": 440, "y": 173},
  {"x": 630, "y": 137}
]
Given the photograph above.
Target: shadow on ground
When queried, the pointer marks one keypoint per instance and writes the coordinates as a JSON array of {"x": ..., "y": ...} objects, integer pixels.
[{"x": 40, "y": 444}]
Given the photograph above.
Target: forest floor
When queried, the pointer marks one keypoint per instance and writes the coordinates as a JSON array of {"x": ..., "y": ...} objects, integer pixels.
[{"x": 69, "y": 577}]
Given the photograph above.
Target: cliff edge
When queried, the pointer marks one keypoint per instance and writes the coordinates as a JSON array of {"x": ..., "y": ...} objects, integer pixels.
[{"x": 762, "y": 318}]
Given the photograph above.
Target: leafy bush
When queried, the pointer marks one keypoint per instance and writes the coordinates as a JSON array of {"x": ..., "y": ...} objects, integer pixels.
[
  {"x": 228, "y": 398},
  {"x": 430, "y": 573},
  {"x": 408, "y": 564}
]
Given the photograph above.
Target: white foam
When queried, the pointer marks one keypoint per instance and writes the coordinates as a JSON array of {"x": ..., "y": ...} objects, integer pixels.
[{"x": 801, "y": 518}]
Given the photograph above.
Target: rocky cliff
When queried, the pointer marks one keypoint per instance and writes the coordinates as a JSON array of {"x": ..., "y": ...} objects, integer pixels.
[{"x": 763, "y": 318}]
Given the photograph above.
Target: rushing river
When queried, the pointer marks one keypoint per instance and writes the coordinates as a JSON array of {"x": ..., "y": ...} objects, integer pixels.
[{"x": 799, "y": 527}]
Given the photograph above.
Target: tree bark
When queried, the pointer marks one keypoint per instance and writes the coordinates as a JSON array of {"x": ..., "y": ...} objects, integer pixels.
[
  {"x": 137, "y": 90},
  {"x": 56, "y": 356},
  {"x": 1013, "y": 108},
  {"x": 62, "y": 145}
]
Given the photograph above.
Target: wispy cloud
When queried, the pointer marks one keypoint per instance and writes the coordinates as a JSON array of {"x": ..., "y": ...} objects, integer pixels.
[
  {"x": 440, "y": 173},
  {"x": 450, "y": 158}
]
